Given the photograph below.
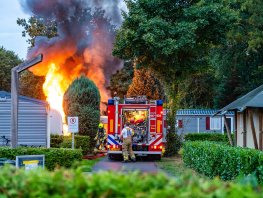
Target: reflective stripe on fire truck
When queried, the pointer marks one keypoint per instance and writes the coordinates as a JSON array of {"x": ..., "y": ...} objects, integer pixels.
[
  {"x": 111, "y": 140},
  {"x": 156, "y": 140}
]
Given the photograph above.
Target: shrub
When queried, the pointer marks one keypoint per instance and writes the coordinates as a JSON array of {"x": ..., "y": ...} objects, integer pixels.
[
  {"x": 217, "y": 137},
  {"x": 55, "y": 140},
  {"x": 173, "y": 144},
  {"x": 113, "y": 184},
  {"x": 53, "y": 156},
  {"x": 81, "y": 142},
  {"x": 212, "y": 159},
  {"x": 82, "y": 99}
]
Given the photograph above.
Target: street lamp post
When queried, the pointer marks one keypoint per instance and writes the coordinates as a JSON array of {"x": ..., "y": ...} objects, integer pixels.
[{"x": 14, "y": 95}]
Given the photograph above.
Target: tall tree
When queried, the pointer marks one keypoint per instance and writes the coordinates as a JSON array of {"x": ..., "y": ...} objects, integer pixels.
[
  {"x": 82, "y": 99},
  {"x": 34, "y": 27},
  {"x": 239, "y": 62},
  {"x": 8, "y": 60},
  {"x": 172, "y": 38},
  {"x": 31, "y": 85},
  {"x": 197, "y": 90},
  {"x": 121, "y": 80},
  {"x": 145, "y": 83}
]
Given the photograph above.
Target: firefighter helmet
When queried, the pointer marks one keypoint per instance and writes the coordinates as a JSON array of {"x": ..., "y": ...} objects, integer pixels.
[{"x": 100, "y": 125}]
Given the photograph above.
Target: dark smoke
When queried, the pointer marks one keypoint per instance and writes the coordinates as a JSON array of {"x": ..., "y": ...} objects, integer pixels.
[{"x": 86, "y": 32}]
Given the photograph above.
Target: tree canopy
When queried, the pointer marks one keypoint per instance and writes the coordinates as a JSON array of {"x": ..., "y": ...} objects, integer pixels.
[
  {"x": 207, "y": 53},
  {"x": 8, "y": 60},
  {"x": 31, "y": 85},
  {"x": 145, "y": 83},
  {"x": 121, "y": 80},
  {"x": 34, "y": 27},
  {"x": 172, "y": 38}
]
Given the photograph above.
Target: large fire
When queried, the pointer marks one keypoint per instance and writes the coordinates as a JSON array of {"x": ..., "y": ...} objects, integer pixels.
[
  {"x": 83, "y": 46},
  {"x": 54, "y": 88}
]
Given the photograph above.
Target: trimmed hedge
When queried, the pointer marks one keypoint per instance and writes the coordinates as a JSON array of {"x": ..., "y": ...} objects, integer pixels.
[
  {"x": 113, "y": 184},
  {"x": 213, "y": 159},
  {"x": 81, "y": 142},
  {"x": 216, "y": 137},
  {"x": 53, "y": 156},
  {"x": 56, "y": 140}
]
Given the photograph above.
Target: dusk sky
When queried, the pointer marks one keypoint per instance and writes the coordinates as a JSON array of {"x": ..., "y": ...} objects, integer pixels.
[{"x": 10, "y": 33}]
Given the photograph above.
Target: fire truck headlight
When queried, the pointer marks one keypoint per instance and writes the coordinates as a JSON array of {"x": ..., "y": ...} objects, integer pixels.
[
  {"x": 154, "y": 147},
  {"x": 161, "y": 147}
]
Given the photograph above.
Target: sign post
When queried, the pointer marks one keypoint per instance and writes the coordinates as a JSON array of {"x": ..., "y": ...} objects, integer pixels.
[{"x": 73, "y": 127}]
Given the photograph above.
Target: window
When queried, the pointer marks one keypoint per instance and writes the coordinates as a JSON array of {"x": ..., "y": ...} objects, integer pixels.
[
  {"x": 179, "y": 123},
  {"x": 215, "y": 124},
  {"x": 207, "y": 123}
]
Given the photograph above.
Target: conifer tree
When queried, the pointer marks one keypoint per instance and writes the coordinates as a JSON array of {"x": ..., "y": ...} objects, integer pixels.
[
  {"x": 82, "y": 99},
  {"x": 145, "y": 83}
]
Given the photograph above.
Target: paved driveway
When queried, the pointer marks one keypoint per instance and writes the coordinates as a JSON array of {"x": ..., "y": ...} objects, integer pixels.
[{"x": 143, "y": 166}]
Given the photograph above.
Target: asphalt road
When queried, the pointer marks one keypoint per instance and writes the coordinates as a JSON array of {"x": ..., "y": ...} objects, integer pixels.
[{"x": 143, "y": 166}]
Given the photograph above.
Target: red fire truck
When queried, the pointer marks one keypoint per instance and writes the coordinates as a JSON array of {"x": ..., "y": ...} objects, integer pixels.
[{"x": 145, "y": 118}]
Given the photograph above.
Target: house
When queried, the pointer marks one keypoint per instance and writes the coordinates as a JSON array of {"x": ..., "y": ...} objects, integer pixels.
[
  {"x": 33, "y": 122},
  {"x": 249, "y": 119},
  {"x": 202, "y": 120}
]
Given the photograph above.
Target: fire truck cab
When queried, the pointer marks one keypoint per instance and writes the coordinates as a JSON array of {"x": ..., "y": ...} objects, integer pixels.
[{"x": 146, "y": 120}]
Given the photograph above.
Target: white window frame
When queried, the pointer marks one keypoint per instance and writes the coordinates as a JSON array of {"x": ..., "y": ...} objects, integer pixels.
[{"x": 214, "y": 125}]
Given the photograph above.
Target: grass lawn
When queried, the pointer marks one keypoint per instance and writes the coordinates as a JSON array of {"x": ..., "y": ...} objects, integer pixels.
[
  {"x": 174, "y": 166},
  {"x": 86, "y": 165}
]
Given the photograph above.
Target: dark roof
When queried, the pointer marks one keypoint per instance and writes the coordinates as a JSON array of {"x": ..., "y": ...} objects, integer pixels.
[
  {"x": 251, "y": 99},
  {"x": 199, "y": 112},
  {"x": 4, "y": 94}
]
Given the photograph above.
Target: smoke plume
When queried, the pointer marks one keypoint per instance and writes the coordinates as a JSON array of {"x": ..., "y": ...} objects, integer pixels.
[{"x": 86, "y": 32}]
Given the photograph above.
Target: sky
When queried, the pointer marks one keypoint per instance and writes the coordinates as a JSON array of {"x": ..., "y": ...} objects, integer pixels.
[{"x": 10, "y": 33}]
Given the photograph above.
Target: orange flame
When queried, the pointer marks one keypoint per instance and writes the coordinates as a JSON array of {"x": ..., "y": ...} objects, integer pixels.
[{"x": 54, "y": 88}]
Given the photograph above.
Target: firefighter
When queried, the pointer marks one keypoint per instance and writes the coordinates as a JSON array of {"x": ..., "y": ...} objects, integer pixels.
[
  {"x": 126, "y": 136},
  {"x": 100, "y": 139}
]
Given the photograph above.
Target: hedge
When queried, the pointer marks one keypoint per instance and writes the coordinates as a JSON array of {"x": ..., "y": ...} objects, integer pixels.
[
  {"x": 81, "y": 142},
  {"x": 53, "y": 156},
  {"x": 56, "y": 140},
  {"x": 216, "y": 137},
  {"x": 112, "y": 184},
  {"x": 212, "y": 159}
]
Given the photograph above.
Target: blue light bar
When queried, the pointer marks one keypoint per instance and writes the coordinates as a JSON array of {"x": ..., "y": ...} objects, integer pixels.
[
  {"x": 159, "y": 102},
  {"x": 110, "y": 102}
]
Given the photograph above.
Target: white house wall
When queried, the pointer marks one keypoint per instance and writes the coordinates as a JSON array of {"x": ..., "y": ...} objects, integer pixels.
[{"x": 190, "y": 123}]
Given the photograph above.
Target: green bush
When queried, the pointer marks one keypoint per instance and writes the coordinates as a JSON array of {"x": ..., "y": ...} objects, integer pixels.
[
  {"x": 82, "y": 99},
  {"x": 216, "y": 137},
  {"x": 173, "y": 144},
  {"x": 18, "y": 183},
  {"x": 212, "y": 159},
  {"x": 55, "y": 140},
  {"x": 53, "y": 156},
  {"x": 81, "y": 142}
]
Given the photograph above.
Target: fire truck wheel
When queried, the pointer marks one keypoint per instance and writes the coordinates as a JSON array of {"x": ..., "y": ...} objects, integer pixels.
[{"x": 110, "y": 156}]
